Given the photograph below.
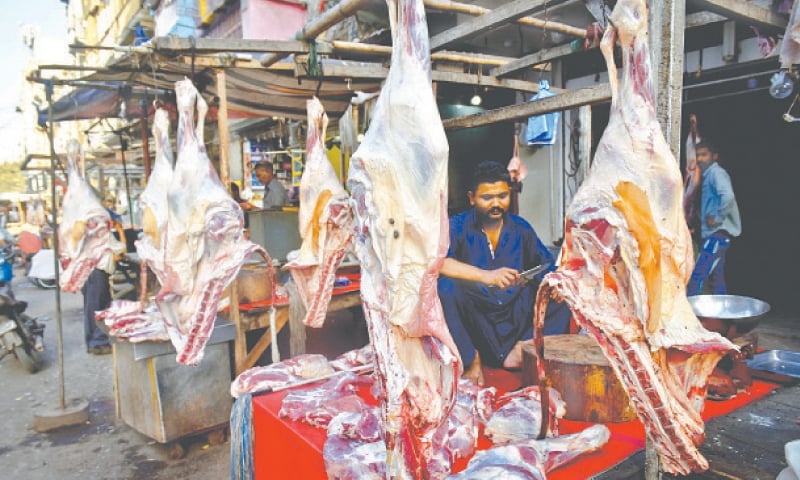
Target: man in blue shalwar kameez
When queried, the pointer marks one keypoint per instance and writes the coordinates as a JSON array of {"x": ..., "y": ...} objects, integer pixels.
[{"x": 487, "y": 305}]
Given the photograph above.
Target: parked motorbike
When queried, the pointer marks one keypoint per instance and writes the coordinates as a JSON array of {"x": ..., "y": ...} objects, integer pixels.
[
  {"x": 20, "y": 334},
  {"x": 42, "y": 271}
]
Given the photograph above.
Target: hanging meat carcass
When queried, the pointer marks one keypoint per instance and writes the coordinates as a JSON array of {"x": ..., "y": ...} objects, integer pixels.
[
  {"x": 398, "y": 182},
  {"x": 325, "y": 221},
  {"x": 790, "y": 46},
  {"x": 85, "y": 231},
  {"x": 627, "y": 256},
  {"x": 140, "y": 321},
  {"x": 205, "y": 246},
  {"x": 692, "y": 178}
]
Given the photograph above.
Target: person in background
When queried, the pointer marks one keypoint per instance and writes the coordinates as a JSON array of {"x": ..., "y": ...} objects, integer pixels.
[
  {"x": 275, "y": 195},
  {"x": 720, "y": 222},
  {"x": 97, "y": 296},
  {"x": 487, "y": 305}
]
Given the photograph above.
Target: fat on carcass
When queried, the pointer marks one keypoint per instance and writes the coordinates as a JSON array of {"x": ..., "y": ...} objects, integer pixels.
[
  {"x": 627, "y": 256},
  {"x": 325, "y": 221},
  {"x": 790, "y": 46},
  {"x": 532, "y": 459},
  {"x": 205, "y": 245},
  {"x": 85, "y": 231},
  {"x": 142, "y": 321},
  {"x": 398, "y": 183}
]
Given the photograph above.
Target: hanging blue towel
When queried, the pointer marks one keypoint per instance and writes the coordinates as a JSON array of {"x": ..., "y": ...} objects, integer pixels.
[{"x": 542, "y": 128}]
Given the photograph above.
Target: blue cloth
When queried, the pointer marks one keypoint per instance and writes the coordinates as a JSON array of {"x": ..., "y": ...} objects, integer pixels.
[
  {"x": 490, "y": 319},
  {"x": 710, "y": 266},
  {"x": 541, "y": 129}
]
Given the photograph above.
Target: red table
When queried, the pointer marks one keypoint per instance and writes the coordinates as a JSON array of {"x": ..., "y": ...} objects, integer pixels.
[{"x": 285, "y": 449}]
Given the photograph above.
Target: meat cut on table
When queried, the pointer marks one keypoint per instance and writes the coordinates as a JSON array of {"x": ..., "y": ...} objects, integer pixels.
[
  {"x": 84, "y": 234},
  {"x": 627, "y": 256}
]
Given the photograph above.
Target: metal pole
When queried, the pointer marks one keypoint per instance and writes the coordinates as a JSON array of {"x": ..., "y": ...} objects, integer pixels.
[
  {"x": 123, "y": 144},
  {"x": 145, "y": 139},
  {"x": 48, "y": 87}
]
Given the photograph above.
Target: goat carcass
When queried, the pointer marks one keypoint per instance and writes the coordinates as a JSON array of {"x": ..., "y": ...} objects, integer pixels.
[
  {"x": 325, "y": 221},
  {"x": 205, "y": 246},
  {"x": 85, "y": 231},
  {"x": 790, "y": 46},
  {"x": 628, "y": 254},
  {"x": 398, "y": 182}
]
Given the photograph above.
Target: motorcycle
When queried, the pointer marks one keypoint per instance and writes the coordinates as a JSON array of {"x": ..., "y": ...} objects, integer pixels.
[{"x": 20, "y": 334}]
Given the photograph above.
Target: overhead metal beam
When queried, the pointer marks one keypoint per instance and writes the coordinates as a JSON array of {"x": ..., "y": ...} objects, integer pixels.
[
  {"x": 325, "y": 21},
  {"x": 745, "y": 12},
  {"x": 469, "y": 9},
  {"x": 348, "y": 69},
  {"x": 566, "y": 100},
  {"x": 499, "y": 16}
]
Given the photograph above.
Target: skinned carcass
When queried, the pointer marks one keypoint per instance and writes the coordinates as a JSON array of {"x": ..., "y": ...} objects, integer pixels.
[
  {"x": 325, "y": 220},
  {"x": 398, "y": 183},
  {"x": 790, "y": 46},
  {"x": 692, "y": 178},
  {"x": 205, "y": 245},
  {"x": 627, "y": 256},
  {"x": 85, "y": 231}
]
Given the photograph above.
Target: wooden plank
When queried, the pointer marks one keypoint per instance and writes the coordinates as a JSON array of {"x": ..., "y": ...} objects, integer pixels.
[
  {"x": 219, "y": 45},
  {"x": 262, "y": 343},
  {"x": 667, "y": 20},
  {"x": 499, "y": 16},
  {"x": 347, "y": 69},
  {"x": 222, "y": 126},
  {"x": 568, "y": 99},
  {"x": 745, "y": 12},
  {"x": 542, "y": 56},
  {"x": 699, "y": 19},
  {"x": 470, "y": 9}
]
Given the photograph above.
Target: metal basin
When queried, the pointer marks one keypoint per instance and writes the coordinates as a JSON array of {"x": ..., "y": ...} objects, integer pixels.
[{"x": 721, "y": 313}]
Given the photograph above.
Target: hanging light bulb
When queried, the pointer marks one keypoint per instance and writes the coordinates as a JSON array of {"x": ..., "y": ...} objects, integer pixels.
[
  {"x": 781, "y": 85},
  {"x": 476, "y": 100}
]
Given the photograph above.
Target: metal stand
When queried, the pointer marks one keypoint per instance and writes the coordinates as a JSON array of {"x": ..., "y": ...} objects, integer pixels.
[{"x": 78, "y": 410}]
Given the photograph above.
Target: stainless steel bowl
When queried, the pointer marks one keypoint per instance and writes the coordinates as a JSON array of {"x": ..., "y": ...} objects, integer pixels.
[{"x": 744, "y": 312}]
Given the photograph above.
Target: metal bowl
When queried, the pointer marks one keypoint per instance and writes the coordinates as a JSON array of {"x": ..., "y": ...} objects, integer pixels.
[{"x": 720, "y": 312}]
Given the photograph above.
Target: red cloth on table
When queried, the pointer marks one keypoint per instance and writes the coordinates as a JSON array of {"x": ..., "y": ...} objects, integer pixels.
[{"x": 285, "y": 449}]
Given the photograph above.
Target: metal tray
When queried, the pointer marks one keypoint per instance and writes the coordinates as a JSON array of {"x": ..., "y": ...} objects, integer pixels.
[{"x": 784, "y": 362}]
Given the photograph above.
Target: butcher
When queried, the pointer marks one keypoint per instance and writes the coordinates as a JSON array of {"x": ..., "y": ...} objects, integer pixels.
[
  {"x": 488, "y": 306},
  {"x": 275, "y": 195}
]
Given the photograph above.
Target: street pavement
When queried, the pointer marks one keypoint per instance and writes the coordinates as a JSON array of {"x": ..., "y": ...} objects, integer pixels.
[{"x": 102, "y": 448}]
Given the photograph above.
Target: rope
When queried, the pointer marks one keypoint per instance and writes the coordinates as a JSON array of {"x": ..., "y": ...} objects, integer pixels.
[{"x": 242, "y": 437}]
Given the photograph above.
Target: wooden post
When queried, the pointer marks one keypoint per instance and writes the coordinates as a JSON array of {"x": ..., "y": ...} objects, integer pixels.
[
  {"x": 667, "y": 20},
  {"x": 145, "y": 140},
  {"x": 222, "y": 126}
]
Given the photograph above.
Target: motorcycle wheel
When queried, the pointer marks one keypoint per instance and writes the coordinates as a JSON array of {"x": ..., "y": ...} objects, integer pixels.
[
  {"x": 44, "y": 283},
  {"x": 30, "y": 360}
]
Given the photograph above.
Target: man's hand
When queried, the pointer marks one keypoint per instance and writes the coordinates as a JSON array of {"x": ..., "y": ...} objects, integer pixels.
[
  {"x": 712, "y": 222},
  {"x": 502, "y": 277}
]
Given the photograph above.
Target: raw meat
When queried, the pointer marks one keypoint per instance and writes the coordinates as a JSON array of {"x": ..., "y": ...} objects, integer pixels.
[
  {"x": 153, "y": 203},
  {"x": 126, "y": 320},
  {"x": 398, "y": 183},
  {"x": 325, "y": 220},
  {"x": 317, "y": 406},
  {"x": 530, "y": 460},
  {"x": 790, "y": 47},
  {"x": 300, "y": 367},
  {"x": 354, "y": 358},
  {"x": 365, "y": 425},
  {"x": 627, "y": 256},
  {"x": 85, "y": 231},
  {"x": 348, "y": 459},
  {"x": 518, "y": 416},
  {"x": 205, "y": 246}
]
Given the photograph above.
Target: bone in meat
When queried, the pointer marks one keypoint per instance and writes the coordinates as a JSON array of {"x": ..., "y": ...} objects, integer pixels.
[
  {"x": 532, "y": 459},
  {"x": 627, "y": 256},
  {"x": 398, "y": 183},
  {"x": 85, "y": 231},
  {"x": 125, "y": 319},
  {"x": 325, "y": 221},
  {"x": 318, "y": 406},
  {"x": 300, "y": 367},
  {"x": 518, "y": 415},
  {"x": 205, "y": 246}
]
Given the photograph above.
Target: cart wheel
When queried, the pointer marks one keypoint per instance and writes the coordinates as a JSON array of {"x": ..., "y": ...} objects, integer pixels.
[
  {"x": 217, "y": 437},
  {"x": 176, "y": 451}
]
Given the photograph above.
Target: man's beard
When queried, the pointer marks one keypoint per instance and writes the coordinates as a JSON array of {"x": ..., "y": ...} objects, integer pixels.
[{"x": 485, "y": 214}]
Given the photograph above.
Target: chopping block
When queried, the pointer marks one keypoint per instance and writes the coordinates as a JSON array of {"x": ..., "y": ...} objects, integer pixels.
[
  {"x": 255, "y": 284},
  {"x": 582, "y": 375}
]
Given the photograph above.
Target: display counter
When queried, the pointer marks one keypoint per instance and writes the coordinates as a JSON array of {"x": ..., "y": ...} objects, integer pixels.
[{"x": 275, "y": 230}]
